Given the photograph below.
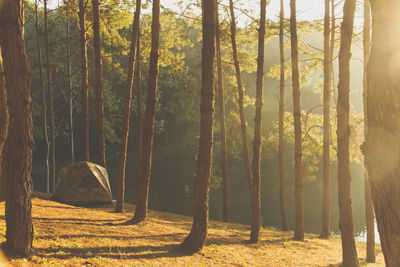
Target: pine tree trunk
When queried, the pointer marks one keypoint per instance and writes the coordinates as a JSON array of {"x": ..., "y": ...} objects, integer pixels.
[
  {"x": 256, "y": 223},
  {"x": 70, "y": 97},
  {"x": 84, "y": 81},
  {"x": 298, "y": 156},
  {"x": 326, "y": 216},
  {"x": 382, "y": 144},
  {"x": 369, "y": 209},
  {"x": 127, "y": 111},
  {"x": 370, "y": 221},
  {"x": 221, "y": 104},
  {"x": 50, "y": 103},
  {"x": 139, "y": 99},
  {"x": 282, "y": 184},
  {"x": 343, "y": 135},
  {"x": 101, "y": 146},
  {"x": 243, "y": 126},
  {"x": 332, "y": 50},
  {"x": 196, "y": 239},
  {"x": 143, "y": 182},
  {"x": 4, "y": 126},
  {"x": 17, "y": 163},
  {"x": 44, "y": 105}
]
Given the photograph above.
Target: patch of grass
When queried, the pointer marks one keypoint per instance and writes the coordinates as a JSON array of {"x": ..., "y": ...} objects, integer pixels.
[{"x": 287, "y": 243}]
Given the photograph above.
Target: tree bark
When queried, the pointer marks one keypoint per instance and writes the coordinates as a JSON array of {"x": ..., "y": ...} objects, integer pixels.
[
  {"x": 298, "y": 165},
  {"x": 282, "y": 184},
  {"x": 332, "y": 49},
  {"x": 143, "y": 182},
  {"x": 46, "y": 136},
  {"x": 221, "y": 104},
  {"x": 17, "y": 163},
  {"x": 343, "y": 136},
  {"x": 127, "y": 110},
  {"x": 326, "y": 216},
  {"x": 256, "y": 223},
  {"x": 101, "y": 146},
  {"x": 382, "y": 145},
  {"x": 369, "y": 209},
  {"x": 4, "y": 126},
  {"x": 84, "y": 81},
  {"x": 50, "y": 103},
  {"x": 70, "y": 92},
  {"x": 139, "y": 99},
  {"x": 197, "y": 237},
  {"x": 243, "y": 126}
]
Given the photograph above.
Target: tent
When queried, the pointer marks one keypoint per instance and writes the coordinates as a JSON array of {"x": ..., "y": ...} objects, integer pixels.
[{"x": 83, "y": 183}]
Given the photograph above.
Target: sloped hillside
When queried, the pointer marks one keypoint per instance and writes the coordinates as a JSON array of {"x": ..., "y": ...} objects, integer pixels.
[{"x": 73, "y": 236}]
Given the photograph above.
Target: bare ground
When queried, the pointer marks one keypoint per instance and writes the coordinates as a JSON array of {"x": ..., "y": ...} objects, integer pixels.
[{"x": 74, "y": 236}]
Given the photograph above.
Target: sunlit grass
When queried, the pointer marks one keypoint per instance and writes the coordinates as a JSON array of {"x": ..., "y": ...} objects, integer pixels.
[{"x": 69, "y": 236}]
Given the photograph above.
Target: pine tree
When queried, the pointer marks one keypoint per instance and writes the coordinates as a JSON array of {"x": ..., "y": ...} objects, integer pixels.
[
  {"x": 343, "y": 136},
  {"x": 196, "y": 239},
  {"x": 221, "y": 104},
  {"x": 256, "y": 223},
  {"x": 144, "y": 173},
  {"x": 299, "y": 198},
  {"x": 4, "y": 122},
  {"x": 282, "y": 184},
  {"x": 101, "y": 146},
  {"x": 127, "y": 110},
  {"x": 243, "y": 126},
  {"x": 50, "y": 102},
  {"x": 369, "y": 209},
  {"x": 44, "y": 104},
  {"x": 84, "y": 81},
  {"x": 17, "y": 163},
  {"x": 382, "y": 145},
  {"x": 326, "y": 218}
]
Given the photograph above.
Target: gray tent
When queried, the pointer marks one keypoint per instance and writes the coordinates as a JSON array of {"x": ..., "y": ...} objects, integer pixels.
[{"x": 83, "y": 183}]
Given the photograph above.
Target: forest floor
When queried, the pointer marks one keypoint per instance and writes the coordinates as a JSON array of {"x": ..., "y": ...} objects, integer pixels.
[{"x": 74, "y": 236}]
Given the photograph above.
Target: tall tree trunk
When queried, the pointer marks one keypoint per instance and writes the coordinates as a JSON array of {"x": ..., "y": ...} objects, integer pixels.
[
  {"x": 343, "y": 135},
  {"x": 298, "y": 156},
  {"x": 243, "y": 126},
  {"x": 256, "y": 223},
  {"x": 370, "y": 221},
  {"x": 326, "y": 216},
  {"x": 4, "y": 126},
  {"x": 369, "y": 208},
  {"x": 332, "y": 49},
  {"x": 221, "y": 104},
  {"x": 101, "y": 146},
  {"x": 70, "y": 97},
  {"x": 382, "y": 144},
  {"x": 46, "y": 136},
  {"x": 17, "y": 163},
  {"x": 84, "y": 81},
  {"x": 139, "y": 99},
  {"x": 127, "y": 110},
  {"x": 282, "y": 184},
  {"x": 143, "y": 182},
  {"x": 197, "y": 237},
  {"x": 50, "y": 103}
]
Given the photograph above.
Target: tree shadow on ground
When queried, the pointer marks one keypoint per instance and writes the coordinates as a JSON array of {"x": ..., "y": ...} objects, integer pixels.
[
  {"x": 362, "y": 262},
  {"x": 58, "y": 207},
  {"x": 165, "y": 237},
  {"x": 76, "y": 221},
  {"x": 114, "y": 252}
]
